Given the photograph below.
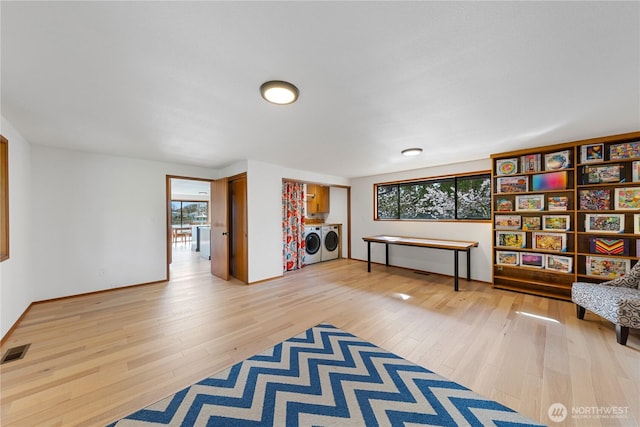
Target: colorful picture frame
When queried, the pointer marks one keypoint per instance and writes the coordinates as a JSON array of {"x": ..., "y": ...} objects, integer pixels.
[
  {"x": 549, "y": 181},
  {"x": 531, "y": 223},
  {"x": 530, "y": 163},
  {"x": 556, "y": 222},
  {"x": 604, "y": 223},
  {"x": 549, "y": 241},
  {"x": 558, "y": 203},
  {"x": 627, "y": 198},
  {"x": 595, "y": 199},
  {"x": 507, "y": 258},
  {"x": 530, "y": 202},
  {"x": 558, "y": 160},
  {"x": 600, "y": 245},
  {"x": 607, "y": 267},
  {"x": 507, "y": 166},
  {"x": 508, "y": 222},
  {"x": 603, "y": 174},
  {"x": 511, "y": 239},
  {"x": 591, "y": 153},
  {"x": 512, "y": 184},
  {"x": 530, "y": 259},
  {"x": 626, "y": 150},
  {"x": 504, "y": 205},
  {"x": 563, "y": 264}
]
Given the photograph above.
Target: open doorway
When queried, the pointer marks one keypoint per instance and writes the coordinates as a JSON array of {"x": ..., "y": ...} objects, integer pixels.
[{"x": 190, "y": 212}]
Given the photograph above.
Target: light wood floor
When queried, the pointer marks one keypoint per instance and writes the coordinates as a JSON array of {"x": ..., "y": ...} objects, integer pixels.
[{"x": 96, "y": 358}]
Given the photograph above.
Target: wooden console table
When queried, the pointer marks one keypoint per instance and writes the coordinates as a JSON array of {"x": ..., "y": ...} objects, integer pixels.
[{"x": 452, "y": 245}]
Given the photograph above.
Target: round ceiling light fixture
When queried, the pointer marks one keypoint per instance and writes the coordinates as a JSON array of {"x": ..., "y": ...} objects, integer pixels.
[
  {"x": 409, "y": 152},
  {"x": 279, "y": 92}
]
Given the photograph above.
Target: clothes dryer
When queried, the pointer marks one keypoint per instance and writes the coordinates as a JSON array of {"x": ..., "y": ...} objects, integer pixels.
[
  {"x": 312, "y": 244},
  {"x": 330, "y": 242}
]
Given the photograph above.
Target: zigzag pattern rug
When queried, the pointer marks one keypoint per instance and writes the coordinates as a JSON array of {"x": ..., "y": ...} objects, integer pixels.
[{"x": 325, "y": 377}]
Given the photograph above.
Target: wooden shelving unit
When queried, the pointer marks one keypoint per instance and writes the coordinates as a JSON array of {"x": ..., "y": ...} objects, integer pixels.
[{"x": 549, "y": 225}]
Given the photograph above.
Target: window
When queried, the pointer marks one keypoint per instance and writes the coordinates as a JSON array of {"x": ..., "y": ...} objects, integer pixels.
[
  {"x": 185, "y": 213},
  {"x": 466, "y": 197}
]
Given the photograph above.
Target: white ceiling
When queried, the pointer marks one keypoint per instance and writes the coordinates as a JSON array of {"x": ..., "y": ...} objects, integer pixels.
[{"x": 178, "y": 81}]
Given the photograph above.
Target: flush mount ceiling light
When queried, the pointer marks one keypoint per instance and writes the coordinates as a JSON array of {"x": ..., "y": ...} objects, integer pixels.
[
  {"x": 279, "y": 92},
  {"x": 411, "y": 152}
]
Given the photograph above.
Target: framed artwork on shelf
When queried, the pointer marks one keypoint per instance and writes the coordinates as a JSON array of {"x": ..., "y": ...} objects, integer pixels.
[
  {"x": 627, "y": 198},
  {"x": 529, "y": 259},
  {"x": 504, "y": 205},
  {"x": 595, "y": 200},
  {"x": 607, "y": 267},
  {"x": 556, "y": 222},
  {"x": 635, "y": 171},
  {"x": 558, "y": 203},
  {"x": 599, "y": 245},
  {"x": 531, "y": 223},
  {"x": 511, "y": 239},
  {"x": 591, "y": 153},
  {"x": 509, "y": 222},
  {"x": 530, "y": 202},
  {"x": 602, "y": 174},
  {"x": 626, "y": 150},
  {"x": 507, "y": 166},
  {"x": 559, "y": 160},
  {"x": 507, "y": 258},
  {"x": 512, "y": 184},
  {"x": 563, "y": 264},
  {"x": 604, "y": 223},
  {"x": 636, "y": 227},
  {"x": 549, "y": 181},
  {"x": 530, "y": 163},
  {"x": 549, "y": 241}
]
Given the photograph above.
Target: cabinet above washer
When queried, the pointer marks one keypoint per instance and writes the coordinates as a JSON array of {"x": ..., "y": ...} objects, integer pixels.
[{"x": 317, "y": 198}]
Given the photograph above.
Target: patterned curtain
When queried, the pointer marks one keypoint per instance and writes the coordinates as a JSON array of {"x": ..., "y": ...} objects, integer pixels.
[{"x": 293, "y": 211}]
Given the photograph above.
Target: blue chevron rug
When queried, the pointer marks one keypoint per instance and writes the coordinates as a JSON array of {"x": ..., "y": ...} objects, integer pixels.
[{"x": 325, "y": 377}]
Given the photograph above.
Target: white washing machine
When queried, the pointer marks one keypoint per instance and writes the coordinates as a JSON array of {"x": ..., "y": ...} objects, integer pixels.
[
  {"x": 312, "y": 244},
  {"x": 330, "y": 242}
]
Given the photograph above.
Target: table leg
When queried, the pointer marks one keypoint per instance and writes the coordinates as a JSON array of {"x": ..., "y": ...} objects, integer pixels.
[
  {"x": 468, "y": 265},
  {"x": 455, "y": 271},
  {"x": 386, "y": 254},
  {"x": 368, "y": 257}
]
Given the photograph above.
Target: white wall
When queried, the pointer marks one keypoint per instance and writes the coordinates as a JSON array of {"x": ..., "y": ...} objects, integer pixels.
[
  {"x": 437, "y": 261},
  {"x": 338, "y": 213},
  {"x": 83, "y": 222},
  {"x": 99, "y": 222},
  {"x": 16, "y": 285},
  {"x": 264, "y": 204}
]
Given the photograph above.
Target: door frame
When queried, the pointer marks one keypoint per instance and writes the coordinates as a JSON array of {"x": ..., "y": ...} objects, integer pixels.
[{"x": 169, "y": 231}]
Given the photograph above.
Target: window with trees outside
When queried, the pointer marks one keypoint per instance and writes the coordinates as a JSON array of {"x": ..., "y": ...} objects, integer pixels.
[
  {"x": 464, "y": 197},
  {"x": 185, "y": 213}
]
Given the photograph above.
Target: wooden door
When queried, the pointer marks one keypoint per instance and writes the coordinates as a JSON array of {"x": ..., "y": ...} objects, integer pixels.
[
  {"x": 238, "y": 260},
  {"x": 220, "y": 228}
]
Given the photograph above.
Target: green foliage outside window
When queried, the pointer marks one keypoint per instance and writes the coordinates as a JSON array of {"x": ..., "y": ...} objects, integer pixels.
[{"x": 464, "y": 197}]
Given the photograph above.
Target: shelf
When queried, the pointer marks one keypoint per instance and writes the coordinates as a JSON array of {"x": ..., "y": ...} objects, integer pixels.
[
  {"x": 566, "y": 296},
  {"x": 529, "y": 167},
  {"x": 545, "y": 284}
]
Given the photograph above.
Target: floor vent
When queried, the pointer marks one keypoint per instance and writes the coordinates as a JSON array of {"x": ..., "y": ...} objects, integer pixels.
[
  {"x": 15, "y": 353},
  {"x": 424, "y": 273}
]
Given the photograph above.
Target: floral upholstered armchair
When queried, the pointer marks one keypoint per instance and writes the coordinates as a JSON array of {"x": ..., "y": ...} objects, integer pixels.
[{"x": 617, "y": 300}]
